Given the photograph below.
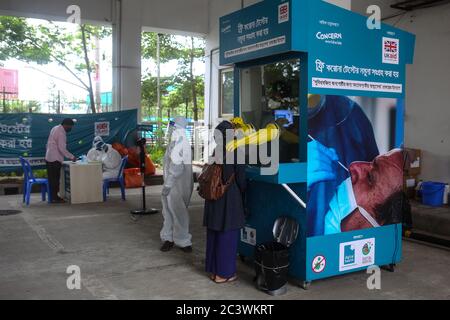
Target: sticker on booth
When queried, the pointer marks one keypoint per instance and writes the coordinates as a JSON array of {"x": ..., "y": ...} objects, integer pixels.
[
  {"x": 102, "y": 129},
  {"x": 356, "y": 254},
  {"x": 248, "y": 235},
  {"x": 319, "y": 263},
  {"x": 391, "y": 50},
  {"x": 283, "y": 12}
]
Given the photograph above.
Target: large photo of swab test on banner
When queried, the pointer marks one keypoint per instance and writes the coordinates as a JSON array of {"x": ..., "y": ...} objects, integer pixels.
[{"x": 355, "y": 170}]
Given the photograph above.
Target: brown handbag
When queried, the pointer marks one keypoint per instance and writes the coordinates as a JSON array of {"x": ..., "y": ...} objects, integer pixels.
[{"x": 210, "y": 182}]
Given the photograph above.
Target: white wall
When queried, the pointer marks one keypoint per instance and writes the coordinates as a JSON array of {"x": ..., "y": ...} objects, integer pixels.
[
  {"x": 98, "y": 10},
  {"x": 427, "y": 121},
  {"x": 180, "y": 16},
  {"x": 187, "y": 16}
]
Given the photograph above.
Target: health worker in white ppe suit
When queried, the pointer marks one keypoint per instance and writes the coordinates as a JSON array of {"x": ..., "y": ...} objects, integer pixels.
[
  {"x": 107, "y": 155},
  {"x": 177, "y": 190}
]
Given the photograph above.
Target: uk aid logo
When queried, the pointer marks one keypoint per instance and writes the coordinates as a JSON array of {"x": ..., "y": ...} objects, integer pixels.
[{"x": 391, "y": 50}]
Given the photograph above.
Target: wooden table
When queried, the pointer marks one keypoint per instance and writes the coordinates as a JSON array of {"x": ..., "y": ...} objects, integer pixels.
[{"x": 81, "y": 183}]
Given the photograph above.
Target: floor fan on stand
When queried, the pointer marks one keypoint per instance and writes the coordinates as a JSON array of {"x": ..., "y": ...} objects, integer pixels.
[{"x": 135, "y": 139}]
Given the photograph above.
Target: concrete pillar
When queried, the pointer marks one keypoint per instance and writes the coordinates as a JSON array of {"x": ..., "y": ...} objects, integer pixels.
[{"x": 127, "y": 28}]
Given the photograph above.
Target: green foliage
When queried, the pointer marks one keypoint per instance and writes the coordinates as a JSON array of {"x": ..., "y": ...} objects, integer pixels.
[
  {"x": 168, "y": 47},
  {"x": 18, "y": 106},
  {"x": 156, "y": 154},
  {"x": 41, "y": 173},
  {"x": 183, "y": 93},
  {"x": 47, "y": 43},
  {"x": 149, "y": 93},
  {"x": 18, "y": 40}
]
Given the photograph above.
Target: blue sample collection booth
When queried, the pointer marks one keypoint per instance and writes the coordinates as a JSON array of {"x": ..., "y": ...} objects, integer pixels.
[{"x": 304, "y": 60}]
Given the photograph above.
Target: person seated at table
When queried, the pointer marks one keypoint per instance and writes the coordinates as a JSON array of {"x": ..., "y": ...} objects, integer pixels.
[{"x": 107, "y": 155}]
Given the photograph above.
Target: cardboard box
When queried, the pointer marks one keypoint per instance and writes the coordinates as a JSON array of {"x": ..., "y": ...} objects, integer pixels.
[
  {"x": 413, "y": 163},
  {"x": 409, "y": 185}
]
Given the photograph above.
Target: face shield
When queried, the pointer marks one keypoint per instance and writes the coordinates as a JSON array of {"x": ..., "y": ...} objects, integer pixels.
[
  {"x": 169, "y": 130},
  {"x": 100, "y": 146},
  {"x": 97, "y": 143}
]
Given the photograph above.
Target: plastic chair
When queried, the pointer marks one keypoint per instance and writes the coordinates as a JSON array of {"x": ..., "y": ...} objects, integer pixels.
[
  {"x": 29, "y": 180},
  {"x": 119, "y": 179}
]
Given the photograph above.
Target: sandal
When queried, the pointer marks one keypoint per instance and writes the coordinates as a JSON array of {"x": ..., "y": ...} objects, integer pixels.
[{"x": 232, "y": 279}]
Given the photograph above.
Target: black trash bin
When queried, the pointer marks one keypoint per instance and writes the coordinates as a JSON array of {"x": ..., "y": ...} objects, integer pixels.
[{"x": 272, "y": 259}]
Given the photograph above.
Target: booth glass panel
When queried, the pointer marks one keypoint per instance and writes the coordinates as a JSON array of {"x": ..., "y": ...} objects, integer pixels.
[
  {"x": 227, "y": 92},
  {"x": 270, "y": 94}
]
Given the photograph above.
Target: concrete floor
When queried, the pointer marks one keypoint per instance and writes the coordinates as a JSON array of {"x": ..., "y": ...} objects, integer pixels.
[{"x": 120, "y": 259}]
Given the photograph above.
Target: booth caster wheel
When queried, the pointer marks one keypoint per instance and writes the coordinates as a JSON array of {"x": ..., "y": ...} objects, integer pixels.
[
  {"x": 389, "y": 268},
  {"x": 304, "y": 285}
]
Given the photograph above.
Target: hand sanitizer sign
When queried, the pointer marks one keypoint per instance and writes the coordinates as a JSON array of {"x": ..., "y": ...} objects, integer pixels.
[{"x": 356, "y": 254}]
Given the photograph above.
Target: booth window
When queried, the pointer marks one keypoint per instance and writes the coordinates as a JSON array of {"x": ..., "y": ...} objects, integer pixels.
[
  {"x": 270, "y": 94},
  {"x": 227, "y": 92}
]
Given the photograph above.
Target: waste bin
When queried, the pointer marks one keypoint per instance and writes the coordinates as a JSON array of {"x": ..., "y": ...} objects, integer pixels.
[
  {"x": 272, "y": 259},
  {"x": 433, "y": 193}
]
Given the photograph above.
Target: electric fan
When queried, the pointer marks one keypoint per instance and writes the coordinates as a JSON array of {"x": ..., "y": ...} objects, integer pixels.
[{"x": 135, "y": 139}]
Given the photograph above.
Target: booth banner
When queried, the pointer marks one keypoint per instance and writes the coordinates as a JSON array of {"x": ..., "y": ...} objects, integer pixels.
[
  {"x": 347, "y": 57},
  {"x": 257, "y": 31},
  {"x": 26, "y": 134},
  {"x": 358, "y": 182}
]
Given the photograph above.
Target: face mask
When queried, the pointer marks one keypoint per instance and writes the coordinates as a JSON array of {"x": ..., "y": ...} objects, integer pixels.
[{"x": 341, "y": 206}]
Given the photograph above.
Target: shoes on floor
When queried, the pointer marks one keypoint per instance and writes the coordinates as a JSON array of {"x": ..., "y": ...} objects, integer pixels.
[
  {"x": 187, "y": 249},
  {"x": 58, "y": 200},
  {"x": 167, "y": 246}
]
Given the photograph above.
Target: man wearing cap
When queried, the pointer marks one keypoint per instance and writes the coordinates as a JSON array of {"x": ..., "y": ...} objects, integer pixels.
[{"x": 54, "y": 157}]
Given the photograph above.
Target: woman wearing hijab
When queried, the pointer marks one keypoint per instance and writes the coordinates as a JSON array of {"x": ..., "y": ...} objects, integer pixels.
[{"x": 224, "y": 217}]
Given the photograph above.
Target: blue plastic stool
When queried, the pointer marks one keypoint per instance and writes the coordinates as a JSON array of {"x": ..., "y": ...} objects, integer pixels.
[
  {"x": 119, "y": 179},
  {"x": 29, "y": 180}
]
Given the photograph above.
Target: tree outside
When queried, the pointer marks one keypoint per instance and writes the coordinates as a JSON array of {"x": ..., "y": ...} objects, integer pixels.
[
  {"x": 45, "y": 43},
  {"x": 181, "y": 93}
]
